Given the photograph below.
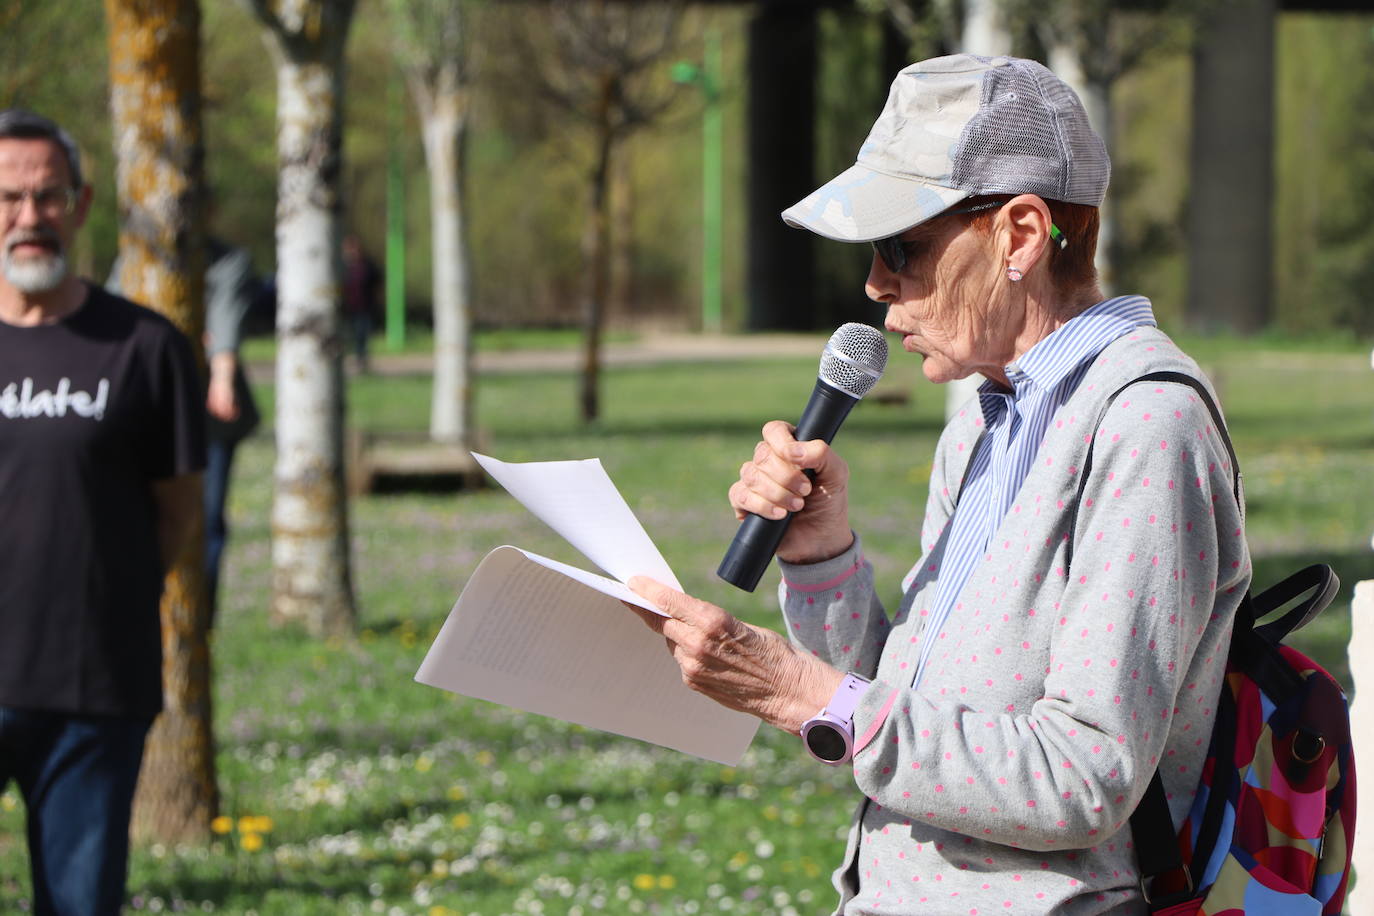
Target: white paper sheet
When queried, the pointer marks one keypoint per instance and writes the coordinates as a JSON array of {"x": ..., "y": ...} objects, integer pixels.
[
  {"x": 525, "y": 635},
  {"x": 546, "y": 637},
  {"x": 578, "y": 500},
  {"x": 603, "y": 585}
]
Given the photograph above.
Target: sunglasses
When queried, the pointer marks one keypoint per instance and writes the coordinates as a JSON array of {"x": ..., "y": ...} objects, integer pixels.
[{"x": 896, "y": 253}]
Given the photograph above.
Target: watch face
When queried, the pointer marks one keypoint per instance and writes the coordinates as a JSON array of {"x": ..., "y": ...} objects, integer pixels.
[{"x": 826, "y": 742}]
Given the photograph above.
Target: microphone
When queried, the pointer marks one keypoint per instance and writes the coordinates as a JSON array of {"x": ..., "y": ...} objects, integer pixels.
[{"x": 851, "y": 364}]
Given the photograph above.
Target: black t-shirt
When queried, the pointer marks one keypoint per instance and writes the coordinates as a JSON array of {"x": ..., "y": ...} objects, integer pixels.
[{"x": 93, "y": 409}]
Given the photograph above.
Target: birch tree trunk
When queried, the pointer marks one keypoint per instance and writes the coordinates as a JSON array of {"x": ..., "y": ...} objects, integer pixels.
[
  {"x": 985, "y": 31},
  {"x": 444, "y": 117},
  {"x": 155, "y": 105},
  {"x": 434, "y": 50},
  {"x": 1096, "y": 96},
  {"x": 311, "y": 570}
]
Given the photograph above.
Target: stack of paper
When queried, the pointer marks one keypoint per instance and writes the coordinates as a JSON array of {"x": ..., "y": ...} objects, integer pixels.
[{"x": 542, "y": 636}]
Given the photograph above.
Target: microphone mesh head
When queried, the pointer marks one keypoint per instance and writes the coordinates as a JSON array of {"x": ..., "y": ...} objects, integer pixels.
[{"x": 854, "y": 359}]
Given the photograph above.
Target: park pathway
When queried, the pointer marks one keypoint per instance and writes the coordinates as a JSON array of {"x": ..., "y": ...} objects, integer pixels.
[{"x": 645, "y": 350}]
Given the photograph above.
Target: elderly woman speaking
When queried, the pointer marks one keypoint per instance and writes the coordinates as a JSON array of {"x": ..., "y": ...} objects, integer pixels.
[{"x": 1054, "y": 646}]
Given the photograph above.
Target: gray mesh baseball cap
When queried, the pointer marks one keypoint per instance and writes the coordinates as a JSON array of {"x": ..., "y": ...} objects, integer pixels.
[{"x": 955, "y": 127}]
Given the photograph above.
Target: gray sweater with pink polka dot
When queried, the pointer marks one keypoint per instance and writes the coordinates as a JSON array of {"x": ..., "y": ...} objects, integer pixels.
[{"x": 1004, "y": 781}]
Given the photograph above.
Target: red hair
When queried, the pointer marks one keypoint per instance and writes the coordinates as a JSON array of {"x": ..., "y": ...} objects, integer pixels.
[{"x": 1072, "y": 266}]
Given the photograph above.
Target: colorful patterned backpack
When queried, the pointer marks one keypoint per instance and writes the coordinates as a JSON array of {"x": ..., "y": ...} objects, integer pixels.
[{"x": 1271, "y": 829}]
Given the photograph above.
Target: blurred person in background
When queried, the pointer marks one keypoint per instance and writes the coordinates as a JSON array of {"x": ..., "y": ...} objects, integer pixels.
[
  {"x": 1048, "y": 655},
  {"x": 362, "y": 297},
  {"x": 230, "y": 291},
  {"x": 101, "y": 446}
]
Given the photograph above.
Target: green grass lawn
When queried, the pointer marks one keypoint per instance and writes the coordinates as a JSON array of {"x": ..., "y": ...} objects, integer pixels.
[
  {"x": 351, "y": 789},
  {"x": 418, "y": 339}
]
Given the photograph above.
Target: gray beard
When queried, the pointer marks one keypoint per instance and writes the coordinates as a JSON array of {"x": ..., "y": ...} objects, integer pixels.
[{"x": 34, "y": 275}]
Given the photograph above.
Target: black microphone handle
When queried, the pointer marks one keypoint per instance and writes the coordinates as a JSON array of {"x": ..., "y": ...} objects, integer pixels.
[{"x": 757, "y": 538}]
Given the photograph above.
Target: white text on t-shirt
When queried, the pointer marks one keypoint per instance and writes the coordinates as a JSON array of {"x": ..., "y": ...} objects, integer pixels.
[{"x": 18, "y": 401}]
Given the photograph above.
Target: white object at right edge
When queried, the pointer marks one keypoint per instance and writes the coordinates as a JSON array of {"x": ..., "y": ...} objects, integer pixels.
[{"x": 578, "y": 500}]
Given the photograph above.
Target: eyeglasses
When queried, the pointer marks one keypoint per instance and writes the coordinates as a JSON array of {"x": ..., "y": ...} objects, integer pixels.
[
  {"x": 47, "y": 201},
  {"x": 896, "y": 253}
]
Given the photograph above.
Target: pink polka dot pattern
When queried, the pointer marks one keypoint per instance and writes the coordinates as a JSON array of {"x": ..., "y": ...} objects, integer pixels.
[{"x": 1002, "y": 783}]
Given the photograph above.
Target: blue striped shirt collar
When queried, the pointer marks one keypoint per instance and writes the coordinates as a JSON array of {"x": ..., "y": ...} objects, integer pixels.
[
  {"x": 1079, "y": 339},
  {"x": 1042, "y": 378}
]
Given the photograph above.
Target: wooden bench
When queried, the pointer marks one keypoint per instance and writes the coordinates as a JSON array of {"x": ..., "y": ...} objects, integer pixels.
[{"x": 394, "y": 462}]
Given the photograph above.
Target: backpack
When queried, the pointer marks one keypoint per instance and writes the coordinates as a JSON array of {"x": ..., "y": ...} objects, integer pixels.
[{"x": 1271, "y": 829}]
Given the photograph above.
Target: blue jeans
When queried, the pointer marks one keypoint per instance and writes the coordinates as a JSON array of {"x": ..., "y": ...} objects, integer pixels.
[
  {"x": 219, "y": 455},
  {"x": 77, "y": 775},
  {"x": 361, "y": 323}
]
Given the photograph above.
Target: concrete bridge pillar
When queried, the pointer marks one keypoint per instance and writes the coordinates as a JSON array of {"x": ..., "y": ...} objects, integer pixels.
[
  {"x": 782, "y": 164},
  {"x": 1230, "y": 199}
]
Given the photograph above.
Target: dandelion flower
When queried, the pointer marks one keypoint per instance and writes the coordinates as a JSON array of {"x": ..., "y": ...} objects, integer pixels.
[
  {"x": 222, "y": 824},
  {"x": 251, "y": 842},
  {"x": 644, "y": 882}
]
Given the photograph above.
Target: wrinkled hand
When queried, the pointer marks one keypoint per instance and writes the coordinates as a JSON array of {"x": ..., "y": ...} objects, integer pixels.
[
  {"x": 747, "y": 668},
  {"x": 773, "y": 484}
]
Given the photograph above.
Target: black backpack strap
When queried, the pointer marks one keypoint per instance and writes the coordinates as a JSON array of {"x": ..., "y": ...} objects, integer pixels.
[
  {"x": 1152, "y": 824},
  {"x": 1156, "y": 848},
  {"x": 1156, "y": 841},
  {"x": 1319, "y": 579}
]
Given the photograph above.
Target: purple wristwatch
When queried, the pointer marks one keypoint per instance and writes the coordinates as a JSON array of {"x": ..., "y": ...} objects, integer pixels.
[{"x": 829, "y": 734}]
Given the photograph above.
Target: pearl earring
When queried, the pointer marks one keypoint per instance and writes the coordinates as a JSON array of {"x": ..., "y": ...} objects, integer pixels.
[{"x": 1014, "y": 274}]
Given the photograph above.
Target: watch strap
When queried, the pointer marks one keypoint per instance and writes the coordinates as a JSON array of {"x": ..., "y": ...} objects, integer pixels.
[{"x": 847, "y": 696}]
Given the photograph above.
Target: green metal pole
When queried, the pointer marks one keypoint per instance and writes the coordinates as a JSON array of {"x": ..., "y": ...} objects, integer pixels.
[
  {"x": 395, "y": 229},
  {"x": 711, "y": 186}
]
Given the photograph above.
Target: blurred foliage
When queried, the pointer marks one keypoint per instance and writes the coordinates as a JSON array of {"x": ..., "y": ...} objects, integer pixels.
[
  {"x": 526, "y": 170},
  {"x": 1324, "y": 160},
  {"x": 850, "y": 92},
  {"x": 1150, "y": 180},
  {"x": 926, "y": 26},
  {"x": 74, "y": 90}
]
